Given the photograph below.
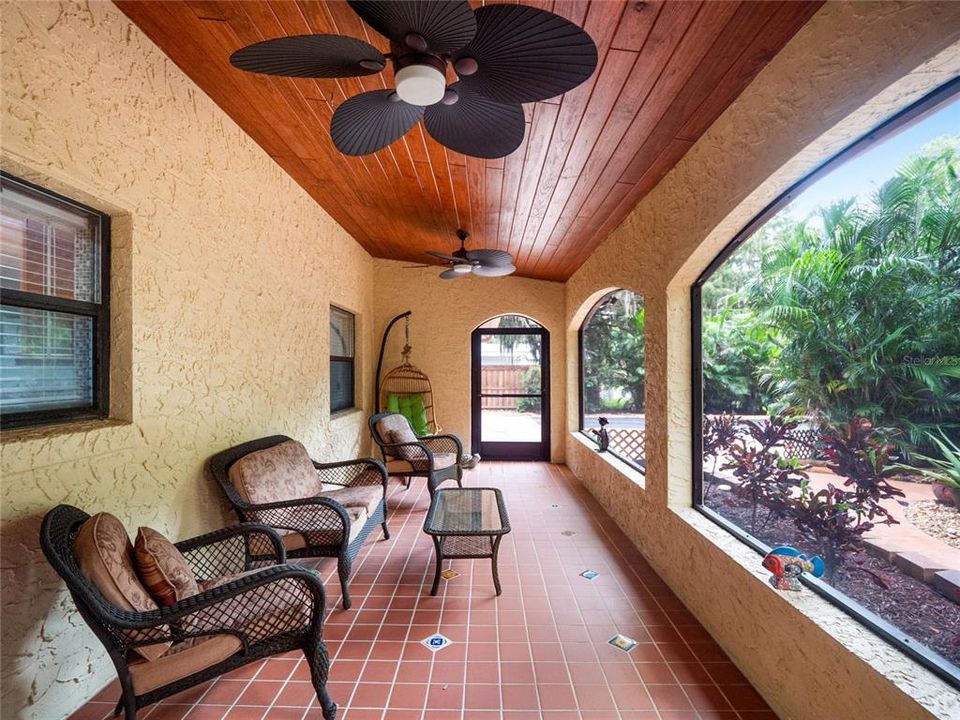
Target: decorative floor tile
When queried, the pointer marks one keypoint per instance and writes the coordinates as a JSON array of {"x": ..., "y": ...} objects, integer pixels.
[
  {"x": 623, "y": 642},
  {"x": 540, "y": 651},
  {"x": 436, "y": 642},
  {"x": 589, "y": 574},
  {"x": 449, "y": 574}
]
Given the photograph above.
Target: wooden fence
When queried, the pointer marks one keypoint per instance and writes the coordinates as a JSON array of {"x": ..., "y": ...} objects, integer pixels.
[{"x": 506, "y": 379}]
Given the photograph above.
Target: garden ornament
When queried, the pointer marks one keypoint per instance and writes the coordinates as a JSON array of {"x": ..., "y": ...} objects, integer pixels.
[
  {"x": 603, "y": 437},
  {"x": 787, "y": 564}
]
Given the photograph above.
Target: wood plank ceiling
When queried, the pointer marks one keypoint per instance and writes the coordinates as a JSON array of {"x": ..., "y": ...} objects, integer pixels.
[{"x": 666, "y": 71}]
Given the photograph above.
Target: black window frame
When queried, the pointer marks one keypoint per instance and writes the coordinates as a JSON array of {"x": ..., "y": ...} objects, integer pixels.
[
  {"x": 99, "y": 313},
  {"x": 632, "y": 463},
  {"x": 929, "y": 104},
  {"x": 347, "y": 360}
]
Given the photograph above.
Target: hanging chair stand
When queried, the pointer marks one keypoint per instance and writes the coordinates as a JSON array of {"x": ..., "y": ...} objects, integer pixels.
[{"x": 383, "y": 347}]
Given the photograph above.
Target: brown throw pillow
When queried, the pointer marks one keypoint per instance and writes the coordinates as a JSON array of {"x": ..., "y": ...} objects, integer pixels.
[
  {"x": 162, "y": 568},
  {"x": 105, "y": 556}
]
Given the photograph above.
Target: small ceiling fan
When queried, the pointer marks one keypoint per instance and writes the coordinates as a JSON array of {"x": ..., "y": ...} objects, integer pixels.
[
  {"x": 485, "y": 262},
  {"x": 503, "y": 55}
]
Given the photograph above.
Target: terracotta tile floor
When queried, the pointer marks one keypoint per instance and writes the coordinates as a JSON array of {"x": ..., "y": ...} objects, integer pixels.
[{"x": 538, "y": 651}]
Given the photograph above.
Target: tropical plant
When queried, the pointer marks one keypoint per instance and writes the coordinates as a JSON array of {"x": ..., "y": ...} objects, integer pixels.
[
  {"x": 851, "y": 312},
  {"x": 719, "y": 432},
  {"x": 831, "y": 521},
  {"x": 613, "y": 352},
  {"x": 862, "y": 454},
  {"x": 864, "y": 296},
  {"x": 946, "y": 468},
  {"x": 530, "y": 384},
  {"x": 765, "y": 478}
]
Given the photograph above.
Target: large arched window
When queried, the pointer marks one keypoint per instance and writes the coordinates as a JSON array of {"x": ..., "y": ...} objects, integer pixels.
[
  {"x": 612, "y": 374},
  {"x": 827, "y": 376}
]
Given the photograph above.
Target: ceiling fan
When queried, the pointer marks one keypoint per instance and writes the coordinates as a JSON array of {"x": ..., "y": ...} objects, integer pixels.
[
  {"x": 503, "y": 55},
  {"x": 485, "y": 262}
]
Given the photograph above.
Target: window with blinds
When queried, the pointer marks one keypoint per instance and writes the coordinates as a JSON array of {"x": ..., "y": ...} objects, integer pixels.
[
  {"x": 53, "y": 307},
  {"x": 342, "y": 345}
]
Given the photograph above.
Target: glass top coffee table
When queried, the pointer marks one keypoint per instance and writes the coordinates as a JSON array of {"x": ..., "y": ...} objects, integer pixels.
[{"x": 467, "y": 523}]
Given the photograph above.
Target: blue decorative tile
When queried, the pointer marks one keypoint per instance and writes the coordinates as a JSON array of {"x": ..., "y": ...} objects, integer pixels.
[{"x": 436, "y": 642}]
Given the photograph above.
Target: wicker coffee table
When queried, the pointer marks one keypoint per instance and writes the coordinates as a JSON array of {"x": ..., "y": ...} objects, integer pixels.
[{"x": 467, "y": 523}]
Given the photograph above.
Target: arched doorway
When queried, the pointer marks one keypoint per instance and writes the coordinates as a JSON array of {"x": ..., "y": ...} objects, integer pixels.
[{"x": 511, "y": 389}]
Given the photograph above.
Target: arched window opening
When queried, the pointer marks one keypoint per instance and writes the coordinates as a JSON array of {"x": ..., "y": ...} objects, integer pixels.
[
  {"x": 612, "y": 374},
  {"x": 827, "y": 378}
]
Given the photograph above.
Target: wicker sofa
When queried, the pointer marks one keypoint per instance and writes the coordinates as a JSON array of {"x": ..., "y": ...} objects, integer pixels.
[
  {"x": 319, "y": 509},
  {"x": 249, "y": 605}
]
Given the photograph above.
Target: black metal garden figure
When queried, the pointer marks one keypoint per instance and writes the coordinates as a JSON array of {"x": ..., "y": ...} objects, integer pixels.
[{"x": 603, "y": 437}]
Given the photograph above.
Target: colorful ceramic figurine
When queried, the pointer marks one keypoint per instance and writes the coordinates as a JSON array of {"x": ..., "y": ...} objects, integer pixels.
[{"x": 787, "y": 565}]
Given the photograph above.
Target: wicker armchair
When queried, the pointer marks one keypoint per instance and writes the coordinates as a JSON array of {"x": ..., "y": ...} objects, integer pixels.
[
  {"x": 254, "y": 614},
  {"x": 319, "y": 509},
  {"x": 434, "y": 457}
]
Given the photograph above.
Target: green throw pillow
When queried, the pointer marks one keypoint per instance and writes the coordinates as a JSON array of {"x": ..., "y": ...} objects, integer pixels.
[
  {"x": 393, "y": 403},
  {"x": 411, "y": 406}
]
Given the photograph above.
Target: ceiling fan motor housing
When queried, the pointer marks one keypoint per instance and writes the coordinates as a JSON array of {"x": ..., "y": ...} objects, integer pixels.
[{"x": 420, "y": 76}]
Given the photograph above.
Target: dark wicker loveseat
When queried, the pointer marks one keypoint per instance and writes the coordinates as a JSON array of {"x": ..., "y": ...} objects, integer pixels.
[
  {"x": 319, "y": 509},
  {"x": 245, "y": 615},
  {"x": 434, "y": 457}
]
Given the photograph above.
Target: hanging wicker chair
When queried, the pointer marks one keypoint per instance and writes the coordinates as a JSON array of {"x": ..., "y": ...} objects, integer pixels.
[{"x": 407, "y": 379}]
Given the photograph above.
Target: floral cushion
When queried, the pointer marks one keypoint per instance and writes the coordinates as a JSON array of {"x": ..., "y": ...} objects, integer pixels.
[
  {"x": 282, "y": 472},
  {"x": 162, "y": 568},
  {"x": 105, "y": 555},
  {"x": 315, "y": 533},
  {"x": 368, "y": 497},
  {"x": 395, "y": 429},
  {"x": 259, "y": 612},
  {"x": 440, "y": 462}
]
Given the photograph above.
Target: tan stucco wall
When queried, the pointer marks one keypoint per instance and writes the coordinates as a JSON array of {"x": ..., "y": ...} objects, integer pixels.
[
  {"x": 852, "y": 66},
  {"x": 231, "y": 269},
  {"x": 445, "y": 312}
]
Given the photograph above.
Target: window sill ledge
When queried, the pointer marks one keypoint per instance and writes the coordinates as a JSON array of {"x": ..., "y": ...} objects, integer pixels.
[
  {"x": 631, "y": 473},
  {"x": 43, "y": 432},
  {"x": 913, "y": 679},
  {"x": 342, "y": 416}
]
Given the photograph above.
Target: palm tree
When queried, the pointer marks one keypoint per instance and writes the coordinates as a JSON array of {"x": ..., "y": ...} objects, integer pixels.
[{"x": 864, "y": 301}]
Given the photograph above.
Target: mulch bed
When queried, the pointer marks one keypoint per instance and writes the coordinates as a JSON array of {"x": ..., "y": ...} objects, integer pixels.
[{"x": 910, "y": 605}]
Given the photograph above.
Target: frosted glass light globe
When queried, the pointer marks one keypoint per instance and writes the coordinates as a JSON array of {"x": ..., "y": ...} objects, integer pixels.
[{"x": 420, "y": 85}]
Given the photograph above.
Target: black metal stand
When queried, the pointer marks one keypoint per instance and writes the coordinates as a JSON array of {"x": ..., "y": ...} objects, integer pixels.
[{"x": 383, "y": 347}]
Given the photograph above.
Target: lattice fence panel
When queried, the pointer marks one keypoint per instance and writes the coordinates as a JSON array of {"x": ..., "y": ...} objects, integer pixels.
[{"x": 628, "y": 442}]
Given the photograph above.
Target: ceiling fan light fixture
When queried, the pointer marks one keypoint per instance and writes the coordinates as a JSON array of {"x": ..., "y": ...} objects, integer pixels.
[
  {"x": 420, "y": 85},
  {"x": 462, "y": 268}
]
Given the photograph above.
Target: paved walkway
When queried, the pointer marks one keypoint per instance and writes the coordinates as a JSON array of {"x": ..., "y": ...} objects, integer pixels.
[{"x": 904, "y": 536}]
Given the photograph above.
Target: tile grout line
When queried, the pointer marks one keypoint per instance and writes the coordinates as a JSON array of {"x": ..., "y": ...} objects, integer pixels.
[
  {"x": 663, "y": 610},
  {"x": 393, "y": 595}
]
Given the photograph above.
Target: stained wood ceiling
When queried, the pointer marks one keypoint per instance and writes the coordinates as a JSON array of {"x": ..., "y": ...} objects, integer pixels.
[{"x": 666, "y": 71}]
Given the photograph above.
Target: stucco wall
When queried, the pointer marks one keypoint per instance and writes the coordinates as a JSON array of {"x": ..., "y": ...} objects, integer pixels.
[
  {"x": 229, "y": 269},
  {"x": 445, "y": 312},
  {"x": 850, "y": 67}
]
